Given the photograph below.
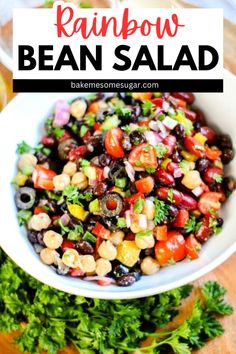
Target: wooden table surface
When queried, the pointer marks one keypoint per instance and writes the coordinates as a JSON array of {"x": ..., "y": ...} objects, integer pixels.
[{"x": 224, "y": 274}]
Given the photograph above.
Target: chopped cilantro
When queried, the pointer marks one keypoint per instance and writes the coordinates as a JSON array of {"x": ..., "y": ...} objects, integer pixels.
[
  {"x": 138, "y": 205},
  {"x": 64, "y": 229},
  {"x": 161, "y": 116},
  {"x": 23, "y": 216},
  {"x": 84, "y": 162},
  {"x": 123, "y": 111},
  {"x": 147, "y": 107},
  {"x": 150, "y": 170},
  {"x": 217, "y": 177},
  {"x": 161, "y": 211},
  {"x": 76, "y": 233},
  {"x": 192, "y": 225},
  {"x": 23, "y": 148},
  {"x": 161, "y": 150}
]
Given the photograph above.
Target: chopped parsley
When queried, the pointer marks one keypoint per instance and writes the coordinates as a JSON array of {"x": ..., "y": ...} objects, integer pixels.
[
  {"x": 147, "y": 107},
  {"x": 123, "y": 111},
  {"x": 161, "y": 150},
  {"x": 161, "y": 211},
  {"x": 192, "y": 225},
  {"x": 64, "y": 229},
  {"x": 84, "y": 162},
  {"x": 23, "y": 148},
  {"x": 150, "y": 170},
  {"x": 217, "y": 177},
  {"x": 138, "y": 205},
  {"x": 76, "y": 233},
  {"x": 23, "y": 216},
  {"x": 56, "y": 132}
]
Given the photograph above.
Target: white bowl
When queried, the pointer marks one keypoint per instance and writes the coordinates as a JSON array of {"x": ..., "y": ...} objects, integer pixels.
[{"x": 23, "y": 119}]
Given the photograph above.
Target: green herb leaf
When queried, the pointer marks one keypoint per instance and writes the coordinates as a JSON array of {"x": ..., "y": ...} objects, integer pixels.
[
  {"x": 147, "y": 107},
  {"x": 217, "y": 177},
  {"x": 161, "y": 150},
  {"x": 23, "y": 216},
  {"x": 192, "y": 225},
  {"x": 161, "y": 211},
  {"x": 23, "y": 148}
]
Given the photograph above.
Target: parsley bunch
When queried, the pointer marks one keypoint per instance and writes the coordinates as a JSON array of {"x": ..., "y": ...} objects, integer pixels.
[{"x": 48, "y": 319}]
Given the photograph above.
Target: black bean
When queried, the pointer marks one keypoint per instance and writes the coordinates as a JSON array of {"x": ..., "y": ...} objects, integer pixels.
[
  {"x": 126, "y": 280},
  {"x": 42, "y": 158},
  {"x": 104, "y": 160},
  {"x": 137, "y": 274},
  {"x": 202, "y": 164},
  {"x": 32, "y": 236},
  {"x": 224, "y": 141},
  {"x": 227, "y": 156},
  {"x": 95, "y": 142},
  {"x": 148, "y": 252},
  {"x": 63, "y": 207},
  {"x": 179, "y": 132},
  {"x": 100, "y": 189},
  {"x": 197, "y": 125},
  {"x": 120, "y": 270},
  {"x": 173, "y": 211},
  {"x": 136, "y": 137},
  {"x": 84, "y": 247},
  {"x": 176, "y": 156},
  {"x": 126, "y": 143},
  {"x": 215, "y": 187},
  {"x": 135, "y": 114},
  {"x": 220, "y": 222},
  {"x": 40, "y": 238},
  {"x": 229, "y": 184}
]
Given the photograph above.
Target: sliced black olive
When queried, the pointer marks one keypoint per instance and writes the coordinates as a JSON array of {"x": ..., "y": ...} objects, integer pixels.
[
  {"x": 65, "y": 147},
  {"x": 120, "y": 270},
  {"x": 111, "y": 204},
  {"x": 25, "y": 198},
  {"x": 117, "y": 169}
]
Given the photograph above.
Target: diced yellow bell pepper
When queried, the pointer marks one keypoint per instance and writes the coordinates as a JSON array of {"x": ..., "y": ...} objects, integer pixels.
[
  {"x": 196, "y": 213},
  {"x": 200, "y": 138},
  {"x": 20, "y": 179},
  {"x": 188, "y": 156},
  {"x": 128, "y": 253},
  {"x": 78, "y": 211},
  {"x": 165, "y": 163},
  {"x": 118, "y": 191}
]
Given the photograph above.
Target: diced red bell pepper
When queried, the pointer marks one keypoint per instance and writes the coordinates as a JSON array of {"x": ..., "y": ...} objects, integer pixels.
[
  {"x": 192, "y": 247},
  {"x": 97, "y": 126},
  {"x": 77, "y": 153},
  {"x": 158, "y": 102},
  {"x": 134, "y": 197},
  {"x": 65, "y": 136},
  {"x": 182, "y": 218},
  {"x": 38, "y": 210},
  {"x": 100, "y": 231},
  {"x": 145, "y": 185},
  {"x": 67, "y": 244},
  {"x": 42, "y": 177},
  {"x": 160, "y": 233}
]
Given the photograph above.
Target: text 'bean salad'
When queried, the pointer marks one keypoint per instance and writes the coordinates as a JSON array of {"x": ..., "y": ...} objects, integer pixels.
[{"x": 122, "y": 185}]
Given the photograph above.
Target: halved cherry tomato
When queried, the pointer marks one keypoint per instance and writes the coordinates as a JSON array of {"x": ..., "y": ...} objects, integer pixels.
[
  {"x": 158, "y": 102},
  {"x": 160, "y": 233},
  {"x": 97, "y": 126},
  {"x": 42, "y": 178},
  {"x": 182, "y": 218},
  {"x": 100, "y": 231},
  {"x": 211, "y": 174},
  {"x": 113, "y": 143},
  {"x": 192, "y": 247},
  {"x": 38, "y": 210},
  {"x": 134, "y": 197},
  {"x": 213, "y": 154},
  {"x": 193, "y": 146},
  {"x": 67, "y": 244},
  {"x": 145, "y": 185},
  {"x": 143, "y": 155},
  {"x": 164, "y": 194},
  {"x": 65, "y": 136},
  {"x": 77, "y": 152},
  {"x": 209, "y": 202},
  {"x": 171, "y": 249}
]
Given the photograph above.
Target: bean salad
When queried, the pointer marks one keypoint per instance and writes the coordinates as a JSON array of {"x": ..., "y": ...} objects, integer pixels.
[{"x": 121, "y": 185}]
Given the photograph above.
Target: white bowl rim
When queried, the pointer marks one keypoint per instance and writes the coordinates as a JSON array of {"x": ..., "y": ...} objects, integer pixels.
[{"x": 120, "y": 295}]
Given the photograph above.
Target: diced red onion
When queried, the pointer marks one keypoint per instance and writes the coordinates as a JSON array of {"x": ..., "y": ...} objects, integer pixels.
[
  {"x": 177, "y": 172},
  {"x": 65, "y": 219},
  {"x": 128, "y": 218},
  {"x": 130, "y": 170},
  {"x": 165, "y": 106},
  {"x": 153, "y": 125},
  {"x": 98, "y": 277},
  {"x": 92, "y": 182},
  {"x": 163, "y": 132},
  {"x": 197, "y": 191},
  {"x": 62, "y": 113},
  {"x": 106, "y": 171},
  {"x": 170, "y": 123},
  {"x": 152, "y": 138}
]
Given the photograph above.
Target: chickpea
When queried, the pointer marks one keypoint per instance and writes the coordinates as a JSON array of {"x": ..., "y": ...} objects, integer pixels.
[
  {"x": 149, "y": 209},
  {"x": 39, "y": 222},
  {"x": 103, "y": 266},
  {"x": 48, "y": 256},
  {"x": 117, "y": 237},
  {"x": 71, "y": 258},
  {"x": 144, "y": 242},
  {"x": 79, "y": 180},
  {"x": 70, "y": 168},
  {"x": 61, "y": 181},
  {"x": 138, "y": 223},
  {"x": 107, "y": 250},
  {"x": 150, "y": 225},
  {"x": 52, "y": 239},
  {"x": 27, "y": 160},
  {"x": 149, "y": 265},
  {"x": 78, "y": 108},
  {"x": 87, "y": 263}
]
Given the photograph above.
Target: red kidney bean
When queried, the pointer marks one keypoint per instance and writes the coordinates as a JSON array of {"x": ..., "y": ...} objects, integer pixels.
[
  {"x": 170, "y": 142},
  {"x": 188, "y": 202},
  {"x": 186, "y": 96},
  {"x": 164, "y": 194},
  {"x": 190, "y": 114},
  {"x": 164, "y": 177},
  {"x": 48, "y": 141},
  {"x": 172, "y": 166},
  {"x": 200, "y": 117},
  {"x": 212, "y": 173},
  {"x": 209, "y": 133}
]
